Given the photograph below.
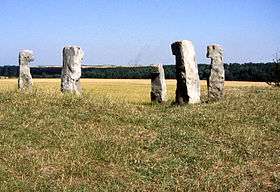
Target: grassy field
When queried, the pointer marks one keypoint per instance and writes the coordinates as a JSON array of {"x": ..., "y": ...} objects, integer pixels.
[{"x": 113, "y": 139}]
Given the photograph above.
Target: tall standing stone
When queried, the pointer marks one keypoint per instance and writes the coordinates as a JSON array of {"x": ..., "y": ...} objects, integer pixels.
[
  {"x": 71, "y": 70},
  {"x": 216, "y": 79},
  {"x": 158, "y": 92},
  {"x": 25, "y": 78},
  {"x": 188, "y": 85}
]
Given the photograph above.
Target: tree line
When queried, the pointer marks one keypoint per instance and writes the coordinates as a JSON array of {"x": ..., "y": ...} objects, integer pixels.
[{"x": 233, "y": 72}]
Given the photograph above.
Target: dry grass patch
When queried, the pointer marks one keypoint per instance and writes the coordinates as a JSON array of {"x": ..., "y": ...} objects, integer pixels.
[{"x": 113, "y": 139}]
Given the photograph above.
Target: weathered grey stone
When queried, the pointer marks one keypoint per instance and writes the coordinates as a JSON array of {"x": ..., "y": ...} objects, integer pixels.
[
  {"x": 25, "y": 78},
  {"x": 158, "y": 92},
  {"x": 188, "y": 85},
  {"x": 216, "y": 79},
  {"x": 71, "y": 70}
]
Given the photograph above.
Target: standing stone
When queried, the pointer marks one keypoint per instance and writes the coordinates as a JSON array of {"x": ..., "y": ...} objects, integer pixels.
[
  {"x": 158, "y": 92},
  {"x": 216, "y": 80},
  {"x": 188, "y": 85},
  {"x": 71, "y": 70},
  {"x": 25, "y": 78}
]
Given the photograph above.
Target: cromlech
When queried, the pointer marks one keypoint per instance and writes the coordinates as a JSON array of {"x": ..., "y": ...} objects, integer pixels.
[
  {"x": 188, "y": 85},
  {"x": 25, "y": 78},
  {"x": 71, "y": 70},
  {"x": 158, "y": 85},
  {"x": 215, "y": 82}
]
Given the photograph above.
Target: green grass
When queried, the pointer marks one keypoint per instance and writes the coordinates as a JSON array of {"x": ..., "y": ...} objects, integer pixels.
[{"x": 113, "y": 139}]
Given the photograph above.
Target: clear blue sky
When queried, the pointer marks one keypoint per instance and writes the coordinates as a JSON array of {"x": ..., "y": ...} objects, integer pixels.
[{"x": 121, "y": 32}]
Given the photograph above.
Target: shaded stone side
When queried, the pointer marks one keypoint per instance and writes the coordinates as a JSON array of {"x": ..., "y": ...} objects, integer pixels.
[
  {"x": 25, "y": 79},
  {"x": 71, "y": 70},
  {"x": 188, "y": 85},
  {"x": 158, "y": 85},
  {"x": 215, "y": 82}
]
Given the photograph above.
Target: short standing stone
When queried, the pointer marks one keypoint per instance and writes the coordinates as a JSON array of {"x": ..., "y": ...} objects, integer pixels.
[
  {"x": 158, "y": 92},
  {"x": 188, "y": 85},
  {"x": 216, "y": 79},
  {"x": 25, "y": 78},
  {"x": 71, "y": 70}
]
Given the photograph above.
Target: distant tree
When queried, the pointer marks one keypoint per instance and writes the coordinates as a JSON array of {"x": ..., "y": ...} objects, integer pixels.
[
  {"x": 264, "y": 72},
  {"x": 275, "y": 72}
]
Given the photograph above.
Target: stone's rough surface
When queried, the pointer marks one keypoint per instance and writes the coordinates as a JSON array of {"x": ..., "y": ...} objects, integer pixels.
[
  {"x": 25, "y": 78},
  {"x": 71, "y": 70},
  {"x": 216, "y": 80},
  {"x": 158, "y": 92},
  {"x": 188, "y": 85}
]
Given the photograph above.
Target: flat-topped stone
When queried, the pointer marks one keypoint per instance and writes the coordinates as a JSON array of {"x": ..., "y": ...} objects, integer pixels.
[
  {"x": 188, "y": 85},
  {"x": 215, "y": 82},
  {"x": 71, "y": 70},
  {"x": 158, "y": 85}
]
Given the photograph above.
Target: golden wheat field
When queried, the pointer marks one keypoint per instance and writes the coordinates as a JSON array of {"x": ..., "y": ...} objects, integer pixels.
[
  {"x": 128, "y": 89},
  {"x": 112, "y": 138}
]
